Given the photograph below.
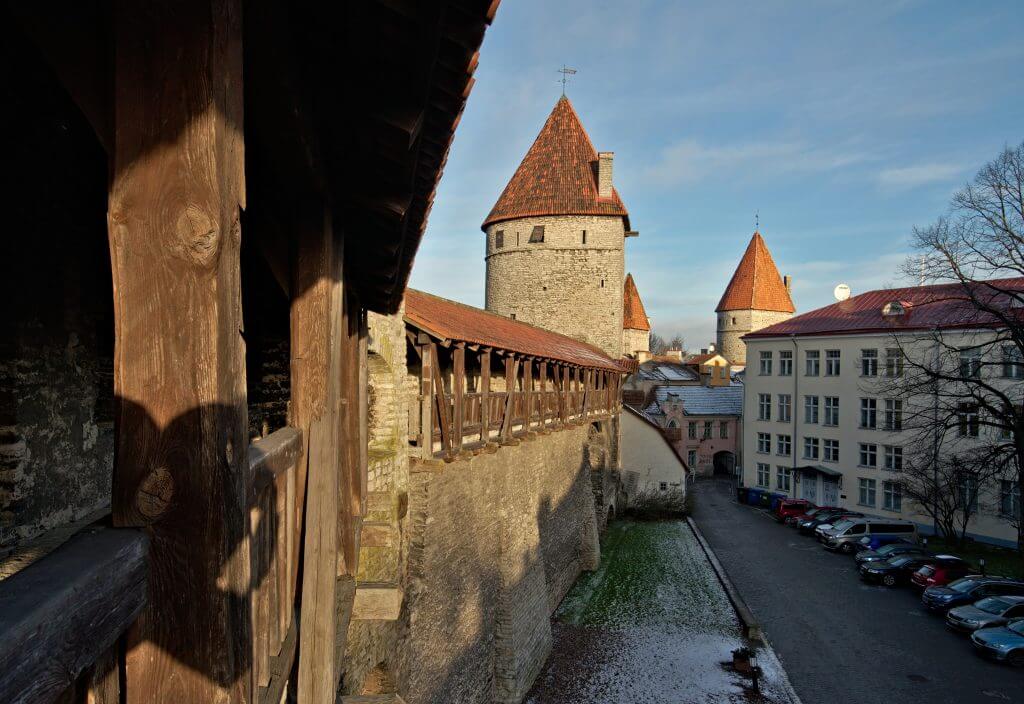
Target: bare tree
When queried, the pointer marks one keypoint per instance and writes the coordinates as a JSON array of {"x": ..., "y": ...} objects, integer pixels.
[
  {"x": 677, "y": 343},
  {"x": 657, "y": 343},
  {"x": 961, "y": 381}
]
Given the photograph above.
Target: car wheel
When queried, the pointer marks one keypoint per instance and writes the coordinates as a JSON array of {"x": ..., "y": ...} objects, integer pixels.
[
  {"x": 889, "y": 580},
  {"x": 1016, "y": 658},
  {"x": 846, "y": 548}
]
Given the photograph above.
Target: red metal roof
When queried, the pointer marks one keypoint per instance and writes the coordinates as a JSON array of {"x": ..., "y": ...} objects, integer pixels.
[
  {"x": 558, "y": 175},
  {"x": 756, "y": 284},
  {"x": 449, "y": 320},
  {"x": 925, "y": 307},
  {"x": 634, "y": 317}
]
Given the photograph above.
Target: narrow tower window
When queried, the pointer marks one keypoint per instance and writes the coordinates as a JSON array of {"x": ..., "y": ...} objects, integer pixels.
[
  {"x": 499, "y": 239},
  {"x": 584, "y": 237},
  {"x": 537, "y": 235},
  {"x": 602, "y": 283}
]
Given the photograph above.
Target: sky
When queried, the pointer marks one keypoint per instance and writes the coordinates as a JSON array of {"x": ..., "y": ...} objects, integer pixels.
[{"x": 842, "y": 124}]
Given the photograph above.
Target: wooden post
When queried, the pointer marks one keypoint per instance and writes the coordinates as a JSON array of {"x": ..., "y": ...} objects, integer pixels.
[
  {"x": 443, "y": 418},
  {"x": 563, "y": 387},
  {"x": 181, "y": 465},
  {"x": 527, "y": 393},
  {"x": 458, "y": 392},
  {"x": 510, "y": 386},
  {"x": 543, "y": 383},
  {"x": 485, "y": 395},
  {"x": 426, "y": 402}
]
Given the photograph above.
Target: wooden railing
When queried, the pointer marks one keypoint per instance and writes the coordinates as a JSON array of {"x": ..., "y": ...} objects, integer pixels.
[
  {"x": 274, "y": 559},
  {"x": 65, "y": 612},
  {"x": 547, "y": 394}
]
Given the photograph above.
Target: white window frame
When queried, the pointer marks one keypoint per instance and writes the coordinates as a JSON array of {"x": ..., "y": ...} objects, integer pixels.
[
  {"x": 830, "y": 450},
  {"x": 811, "y": 409},
  {"x": 812, "y": 448},
  {"x": 868, "y": 413},
  {"x": 892, "y": 496},
  {"x": 869, "y": 362},
  {"x": 764, "y": 406},
  {"x": 867, "y": 492},
  {"x": 867, "y": 454},
  {"x": 783, "y": 444},
  {"x": 831, "y": 411},
  {"x": 893, "y": 458},
  {"x": 765, "y": 361},
  {"x": 833, "y": 359},
  {"x": 785, "y": 408},
  {"x": 764, "y": 443},
  {"x": 812, "y": 363},
  {"x": 764, "y": 475},
  {"x": 785, "y": 362}
]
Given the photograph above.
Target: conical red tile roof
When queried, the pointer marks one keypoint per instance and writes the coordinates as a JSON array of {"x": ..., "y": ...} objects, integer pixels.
[
  {"x": 558, "y": 175},
  {"x": 756, "y": 284},
  {"x": 634, "y": 317}
]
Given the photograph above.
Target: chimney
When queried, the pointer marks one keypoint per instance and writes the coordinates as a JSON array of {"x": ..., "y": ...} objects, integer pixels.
[
  {"x": 604, "y": 174},
  {"x": 787, "y": 281}
]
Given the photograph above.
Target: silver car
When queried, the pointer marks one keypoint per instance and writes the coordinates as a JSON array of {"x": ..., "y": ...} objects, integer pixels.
[{"x": 988, "y": 613}]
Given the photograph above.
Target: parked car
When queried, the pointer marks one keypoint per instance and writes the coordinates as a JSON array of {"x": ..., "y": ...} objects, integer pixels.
[
  {"x": 897, "y": 570},
  {"x": 874, "y": 542},
  {"x": 846, "y": 539},
  {"x": 791, "y": 507},
  {"x": 1005, "y": 644},
  {"x": 809, "y": 513},
  {"x": 827, "y": 527},
  {"x": 807, "y": 527},
  {"x": 969, "y": 590},
  {"x": 937, "y": 575},
  {"x": 900, "y": 547},
  {"x": 990, "y": 612}
]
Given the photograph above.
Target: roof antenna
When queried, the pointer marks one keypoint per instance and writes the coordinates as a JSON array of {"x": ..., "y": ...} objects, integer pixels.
[
  {"x": 757, "y": 221},
  {"x": 566, "y": 72}
]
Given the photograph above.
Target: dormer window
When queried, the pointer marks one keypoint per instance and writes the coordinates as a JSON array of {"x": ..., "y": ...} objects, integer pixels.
[
  {"x": 893, "y": 308},
  {"x": 537, "y": 235}
]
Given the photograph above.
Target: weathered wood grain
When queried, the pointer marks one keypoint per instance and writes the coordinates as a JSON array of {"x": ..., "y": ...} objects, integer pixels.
[
  {"x": 181, "y": 467},
  {"x": 62, "y": 614},
  {"x": 272, "y": 456}
]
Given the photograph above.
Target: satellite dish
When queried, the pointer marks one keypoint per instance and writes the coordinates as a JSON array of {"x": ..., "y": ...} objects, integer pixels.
[{"x": 841, "y": 292}]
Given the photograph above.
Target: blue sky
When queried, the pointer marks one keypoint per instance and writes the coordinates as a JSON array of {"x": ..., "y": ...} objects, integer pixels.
[{"x": 844, "y": 123}]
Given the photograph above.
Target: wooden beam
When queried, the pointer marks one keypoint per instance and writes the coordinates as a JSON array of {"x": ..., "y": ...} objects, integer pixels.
[
  {"x": 61, "y": 614},
  {"x": 181, "y": 463},
  {"x": 527, "y": 391},
  {"x": 458, "y": 392},
  {"x": 485, "y": 395},
  {"x": 543, "y": 383},
  {"x": 511, "y": 364},
  {"x": 320, "y": 324},
  {"x": 271, "y": 456}
]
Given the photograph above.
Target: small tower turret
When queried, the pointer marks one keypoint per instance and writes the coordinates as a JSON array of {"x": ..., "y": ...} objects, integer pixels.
[{"x": 755, "y": 298}]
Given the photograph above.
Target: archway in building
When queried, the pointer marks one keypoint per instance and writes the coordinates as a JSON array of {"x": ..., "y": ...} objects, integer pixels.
[{"x": 724, "y": 463}]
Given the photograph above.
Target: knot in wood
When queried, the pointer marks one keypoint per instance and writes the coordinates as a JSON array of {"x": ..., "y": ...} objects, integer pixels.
[
  {"x": 154, "y": 494},
  {"x": 198, "y": 235}
]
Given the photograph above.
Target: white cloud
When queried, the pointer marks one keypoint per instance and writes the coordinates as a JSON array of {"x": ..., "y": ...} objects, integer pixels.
[
  {"x": 918, "y": 175},
  {"x": 688, "y": 161}
]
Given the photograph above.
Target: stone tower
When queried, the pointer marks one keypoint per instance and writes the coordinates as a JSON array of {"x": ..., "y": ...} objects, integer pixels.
[
  {"x": 756, "y": 297},
  {"x": 636, "y": 327},
  {"x": 555, "y": 238}
]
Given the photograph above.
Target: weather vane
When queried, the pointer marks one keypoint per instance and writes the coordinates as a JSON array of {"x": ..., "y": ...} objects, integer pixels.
[
  {"x": 757, "y": 220},
  {"x": 566, "y": 72}
]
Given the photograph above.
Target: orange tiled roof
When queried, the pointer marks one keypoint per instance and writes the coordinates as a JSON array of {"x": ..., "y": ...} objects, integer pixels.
[
  {"x": 698, "y": 359},
  {"x": 558, "y": 175},
  {"x": 756, "y": 284},
  {"x": 449, "y": 320},
  {"x": 634, "y": 317}
]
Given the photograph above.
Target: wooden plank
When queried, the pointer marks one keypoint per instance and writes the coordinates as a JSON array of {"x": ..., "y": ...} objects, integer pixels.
[
  {"x": 458, "y": 393},
  {"x": 272, "y": 456},
  {"x": 104, "y": 680},
  {"x": 511, "y": 371},
  {"x": 543, "y": 383},
  {"x": 353, "y": 478},
  {"x": 63, "y": 613},
  {"x": 181, "y": 463},
  {"x": 281, "y": 668},
  {"x": 442, "y": 403}
]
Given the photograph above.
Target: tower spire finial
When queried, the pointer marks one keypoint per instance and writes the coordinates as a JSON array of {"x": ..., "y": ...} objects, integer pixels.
[
  {"x": 566, "y": 72},
  {"x": 757, "y": 221}
]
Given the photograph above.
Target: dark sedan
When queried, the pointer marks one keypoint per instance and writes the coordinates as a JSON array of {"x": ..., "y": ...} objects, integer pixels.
[
  {"x": 887, "y": 552},
  {"x": 969, "y": 590},
  {"x": 808, "y": 527},
  {"x": 897, "y": 570}
]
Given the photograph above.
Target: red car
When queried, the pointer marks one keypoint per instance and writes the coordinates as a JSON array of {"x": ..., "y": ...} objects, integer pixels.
[
  {"x": 791, "y": 507},
  {"x": 941, "y": 572},
  {"x": 809, "y": 511}
]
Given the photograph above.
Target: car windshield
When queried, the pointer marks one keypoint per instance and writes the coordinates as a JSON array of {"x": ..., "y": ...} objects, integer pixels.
[
  {"x": 1017, "y": 627},
  {"x": 926, "y": 571},
  {"x": 992, "y": 605},
  {"x": 900, "y": 561},
  {"x": 962, "y": 585},
  {"x": 891, "y": 548},
  {"x": 842, "y": 525}
]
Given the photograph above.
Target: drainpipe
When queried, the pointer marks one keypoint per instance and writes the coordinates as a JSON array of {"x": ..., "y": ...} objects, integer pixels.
[
  {"x": 935, "y": 439},
  {"x": 793, "y": 406}
]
